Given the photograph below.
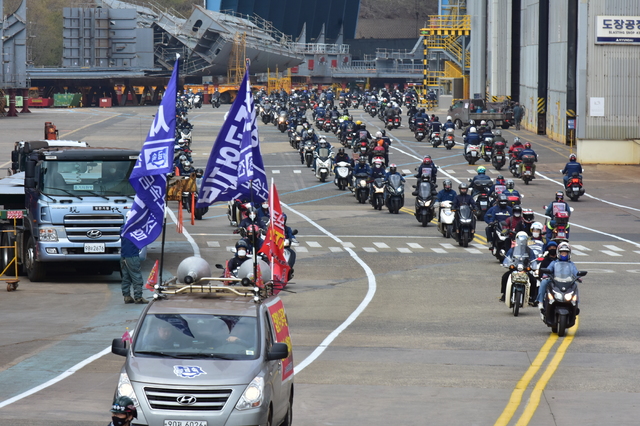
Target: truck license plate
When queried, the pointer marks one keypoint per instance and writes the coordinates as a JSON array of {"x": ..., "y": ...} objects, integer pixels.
[
  {"x": 185, "y": 423},
  {"x": 94, "y": 248}
]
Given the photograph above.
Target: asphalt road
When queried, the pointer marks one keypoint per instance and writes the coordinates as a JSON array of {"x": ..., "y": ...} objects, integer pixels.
[{"x": 391, "y": 323}]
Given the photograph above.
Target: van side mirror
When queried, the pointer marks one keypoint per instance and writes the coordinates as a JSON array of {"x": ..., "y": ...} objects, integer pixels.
[
  {"x": 278, "y": 351},
  {"x": 119, "y": 347}
]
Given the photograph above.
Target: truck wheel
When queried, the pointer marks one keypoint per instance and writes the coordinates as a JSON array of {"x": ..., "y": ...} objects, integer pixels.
[
  {"x": 491, "y": 124},
  {"x": 6, "y": 254},
  {"x": 505, "y": 126},
  {"x": 36, "y": 271},
  {"x": 225, "y": 98},
  {"x": 458, "y": 124}
]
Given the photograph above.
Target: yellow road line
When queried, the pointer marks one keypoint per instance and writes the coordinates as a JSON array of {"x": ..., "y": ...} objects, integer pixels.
[
  {"x": 534, "y": 399},
  {"x": 90, "y": 124},
  {"x": 521, "y": 386},
  {"x": 480, "y": 238}
]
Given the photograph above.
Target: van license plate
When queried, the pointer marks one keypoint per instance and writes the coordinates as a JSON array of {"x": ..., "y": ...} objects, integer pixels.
[
  {"x": 185, "y": 423},
  {"x": 94, "y": 248}
]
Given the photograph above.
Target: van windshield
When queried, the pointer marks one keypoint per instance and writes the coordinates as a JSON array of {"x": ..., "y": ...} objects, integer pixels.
[
  {"x": 198, "y": 336},
  {"x": 87, "y": 178}
]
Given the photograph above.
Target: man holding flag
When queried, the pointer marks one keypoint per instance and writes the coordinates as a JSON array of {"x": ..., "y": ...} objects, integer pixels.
[
  {"x": 273, "y": 246},
  {"x": 144, "y": 221}
]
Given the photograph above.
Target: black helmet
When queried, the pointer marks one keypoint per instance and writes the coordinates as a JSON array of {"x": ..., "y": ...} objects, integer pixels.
[
  {"x": 527, "y": 215},
  {"x": 447, "y": 185},
  {"x": 463, "y": 186},
  {"x": 242, "y": 244},
  {"x": 124, "y": 405},
  {"x": 510, "y": 184},
  {"x": 341, "y": 151},
  {"x": 517, "y": 210},
  {"x": 422, "y": 110},
  {"x": 362, "y": 159},
  {"x": 559, "y": 196},
  {"x": 502, "y": 200}
]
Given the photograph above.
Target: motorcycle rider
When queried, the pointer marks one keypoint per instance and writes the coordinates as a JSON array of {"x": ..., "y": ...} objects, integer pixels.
[
  {"x": 479, "y": 179},
  {"x": 461, "y": 199},
  {"x": 436, "y": 126},
  {"x": 497, "y": 136},
  {"x": 377, "y": 171},
  {"x": 472, "y": 138},
  {"x": 466, "y": 131},
  {"x": 427, "y": 163},
  {"x": 309, "y": 134},
  {"x": 447, "y": 193},
  {"x": 528, "y": 151},
  {"x": 528, "y": 218},
  {"x": 499, "y": 182},
  {"x": 342, "y": 157},
  {"x": 510, "y": 191},
  {"x": 448, "y": 124},
  {"x": 520, "y": 251},
  {"x": 570, "y": 168},
  {"x": 557, "y": 206},
  {"x": 498, "y": 213},
  {"x": 322, "y": 143},
  {"x": 123, "y": 411},
  {"x": 564, "y": 255},
  {"x": 241, "y": 255}
]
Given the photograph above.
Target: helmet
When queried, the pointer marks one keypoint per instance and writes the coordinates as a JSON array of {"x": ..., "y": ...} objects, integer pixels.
[
  {"x": 536, "y": 229},
  {"x": 503, "y": 201},
  {"x": 483, "y": 123},
  {"x": 572, "y": 157},
  {"x": 527, "y": 145},
  {"x": 516, "y": 140},
  {"x": 322, "y": 143},
  {"x": 392, "y": 168},
  {"x": 422, "y": 110},
  {"x": 472, "y": 122},
  {"x": 552, "y": 248},
  {"x": 358, "y": 122},
  {"x": 426, "y": 159},
  {"x": 463, "y": 186},
  {"x": 252, "y": 228},
  {"x": 447, "y": 184},
  {"x": 341, "y": 151},
  {"x": 363, "y": 126},
  {"x": 395, "y": 105},
  {"x": 500, "y": 180},
  {"x": 384, "y": 132},
  {"x": 559, "y": 196},
  {"x": 124, "y": 405},
  {"x": 481, "y": 170},
  {"x": 497, "y": 132},
  {"x": 473, "y": 130},
  {"x": 564, "y": 247},
  {"x": 362, "y": 159},
  {"x": 510, "y": 184},
  {"x": 517, "y": 210},
  {"x": 527, "y": 215},
  {"x": 310, "y": 130},
  {"x": 448, "y": 118},
  {"x": 521, "y": 238},
  {"x": 378, "y": 134},
  {"x": 242, "y": 245}
]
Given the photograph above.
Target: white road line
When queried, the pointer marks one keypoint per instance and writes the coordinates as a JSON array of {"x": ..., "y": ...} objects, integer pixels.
[
  {"x": 577, "y": 252},
  {"x": 275, "y": 172},
  {"x": 637, "y": 251},
  {"x": 335, "y": 249},
  {"x": 579, "y": 247},
  {"x": 414, "y": 245},
  {"x": 471, "y": 171},
  {"x": 229, "y": 248},
  {"x": 300, "y": 249},
  {"x": 404, "y": 250},
  {"x": 348, "y": 245},
  {"x": 297, "y": 171},
  {"x": 354, "y": 315},
  {"x": 381, "y": 245},
  {"x": 473, "y": 250},
  {"x": 612, "y": 247},
  {"x": 448, "y": 245},
  {"x": 439, "y": 250},
  {"x": 480, "y": 246},
  {"x": 369, "y": 249},
  {"x": 213, "y": 244},
  {"x": 451, "y": 171},
  {"x": 610, "y": 253},
  {"x": 406, "y": 171},
  {"x": 313, "y": 244}
]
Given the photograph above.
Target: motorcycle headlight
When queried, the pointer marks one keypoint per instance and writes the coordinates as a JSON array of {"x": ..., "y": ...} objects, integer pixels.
[
  {"x": 124, "y": 388},
  {"x": 253, "y": 395},
  {"x": 363, "y": 183},
  {"x": 465, "y": 220},
  {"x": 558, "y": 296},
  {"x": 421, "y": 203},
  {"x": 400, "y": 189},
  {"x": 569, "y": 296},
  {"x": 49, "y": 235},
  {"x": 428, "y": 203}
]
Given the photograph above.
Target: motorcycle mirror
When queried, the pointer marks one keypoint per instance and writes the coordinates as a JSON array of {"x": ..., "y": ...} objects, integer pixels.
[
  {"x": 413, "y": 186},
  {"x": 219, "y": 266},
  {"x": 233, "y": 250},
  {"x": 545, "y": 270},
  {"x": 294, "y": 232},
  {"x": 571, "y": 208},
  {"x": 582, "y": 273}
]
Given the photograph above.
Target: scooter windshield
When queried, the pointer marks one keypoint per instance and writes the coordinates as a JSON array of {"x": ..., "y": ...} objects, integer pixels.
[
  {"x": 563, "y": 272},
  {"x": 424, "y": 190},
  {"x": 323, "y": 152},
  {"x": 395, "y": 181}
]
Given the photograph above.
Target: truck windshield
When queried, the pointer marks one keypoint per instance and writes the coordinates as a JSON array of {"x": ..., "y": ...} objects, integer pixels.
[
  {"x": 198, "y": 336},
  {"x": 87, "y": 178}
]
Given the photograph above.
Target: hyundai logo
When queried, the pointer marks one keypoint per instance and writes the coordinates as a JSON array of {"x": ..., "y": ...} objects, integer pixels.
[
  {"x": 94, "y": 233},
  {"x": 186, "y": 399}
]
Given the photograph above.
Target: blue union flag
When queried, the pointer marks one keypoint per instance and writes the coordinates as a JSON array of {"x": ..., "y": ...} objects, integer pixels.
[
  {"x": 235, "y": 167},
  {"x": 149, "y": 176}
]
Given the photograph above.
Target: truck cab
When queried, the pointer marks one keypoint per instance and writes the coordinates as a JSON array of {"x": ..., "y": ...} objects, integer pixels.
[{"x": 494, "y": 113}]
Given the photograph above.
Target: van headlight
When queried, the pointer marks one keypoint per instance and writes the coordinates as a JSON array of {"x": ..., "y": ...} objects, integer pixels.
[
  {"x": 48, "y": 235},
  {"x": 253, "y": 395},
  {"x": 125, "y": 389}
]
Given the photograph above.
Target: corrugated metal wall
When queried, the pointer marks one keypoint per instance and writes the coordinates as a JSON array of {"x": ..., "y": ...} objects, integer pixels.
[
  {"x": 499, "y": 46},
  {"x": 557, "y": 94},
  {"x": 529, "y": 61},
  {"x": 612, "y": 73}
]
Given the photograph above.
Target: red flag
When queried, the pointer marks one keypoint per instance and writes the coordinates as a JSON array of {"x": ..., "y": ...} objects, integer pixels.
[
  {"x": 126, "y": 337},
  {"x": 273, "y": 245},
  {"x": 153, "y": 277}
]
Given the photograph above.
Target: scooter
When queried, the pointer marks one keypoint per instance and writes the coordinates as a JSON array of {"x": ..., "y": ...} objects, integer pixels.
[
  {"x": 394, "y": 190},
  {"x": 574, "y": 188},
  {"x": 361, "y": 187},
  {"x": 561, "y": 299},
  {"x": 465, "y": 228},
  {"x": 436, "y": 140},
  {"x": 323, "y": 164},
  {"x": 343, "y": 173},
  {"x": 527, "y": 168},
  {"x": 518, "y": 287},
  {"x": 498, "y": 157},
  {"x": 472, "y": 153},
  {"x": 377, "y": 198},
  {"x": 446, "y": 219},
  {"x": 424, "y": 203},
  {"x": 449, "y": 139}
]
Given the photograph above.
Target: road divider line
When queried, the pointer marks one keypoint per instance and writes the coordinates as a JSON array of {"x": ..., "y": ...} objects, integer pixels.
[
  {"x": 372, "y": 286},
  {"x": 521, "y": 386}
]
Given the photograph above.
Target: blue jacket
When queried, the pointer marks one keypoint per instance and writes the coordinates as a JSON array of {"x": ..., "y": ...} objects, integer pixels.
[
  {"x": 386, "y": 176},
  {"x": 448, "y": 125},
  {"x": 496, "y": 213},
  {"x": 445, "y": 195},
  {"x": 527, "y": 151},
  {"x": 508, "y": 192},
  {"x": 473, "y": 139},
  {"x": 377, "y": 172},
  {"x": 366, "y": 168},
  {"x": 572, "y": 167},
  {"x": 552, "y": 266},
  {"x": 461, "y": 199},
  {"x": 320, "y": 112},
  {"x": 435, "y": 126},
  {"x": 127, "y": 248}
]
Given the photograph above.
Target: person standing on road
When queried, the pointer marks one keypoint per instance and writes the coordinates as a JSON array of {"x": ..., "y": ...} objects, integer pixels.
[
  {"x": 123, "y": 411},
  {"x": 130, "y": 270},
  {"x": 518, "y": 113}
]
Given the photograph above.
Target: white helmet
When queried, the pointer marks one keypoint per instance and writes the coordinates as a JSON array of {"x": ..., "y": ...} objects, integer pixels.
[
  {"x": 448, "y": 118},
  {"x": 395, "y": 105},
  {"x": 471, "y": 122},
  {"x": 378, "y": 134},
  {"x": 536, "y": 229},
  {"x": 483, "y": 123},
  {"x": 472, "y": 130}
]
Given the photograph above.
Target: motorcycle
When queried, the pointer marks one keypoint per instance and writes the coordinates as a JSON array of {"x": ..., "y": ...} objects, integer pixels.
[
  {"x": 465, "y": 225},
  {"x": 397, "y": 121},
  {"x": 446, "y": 219},
  {"x": 373, "y": 110},
  {"x": 560, "y": 231},
  {"x": 574, "y": 188},
  {"x": 561, "y": 299},
  {"x": 449, "y": 141},
  {"x": 487, "y": 148},
  {"x": 514, "y": 163},
  {"x": 389, "y": 123},
  {"x": 361, "y": 185},
  {"x": 502, "y": 238},
  {"x": 308, "y": 152},
  {"x": 215, "y": 102},
  {"x": 472, "y": 153},
  {"x": 481, "y": 190},
  {"x": 377, "y": 200},
  {"x": 498, "y": 158},
  {"x": 343, "y": 173},
  {"x": 190, "y": 199},
  {"x": 282, "y": 122},
  {"x": 518, "y": 287},
  {"x": 436, "y": 140},
  {"x": 323, "y": 164},
  {"x": 527, "y": 168},
  {"x": 394, "y": 190},
  {"x": 197, "y": 101},
  {"x": 424, "y": 203}
]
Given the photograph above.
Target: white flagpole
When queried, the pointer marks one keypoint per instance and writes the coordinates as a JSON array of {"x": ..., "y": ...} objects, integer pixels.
[{"x": 271, "y": 223}]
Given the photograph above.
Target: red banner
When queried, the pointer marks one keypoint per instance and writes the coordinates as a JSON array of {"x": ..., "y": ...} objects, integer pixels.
[
  {"x": 279, "y": 318},
  {"x": 273, "y": 246}
]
